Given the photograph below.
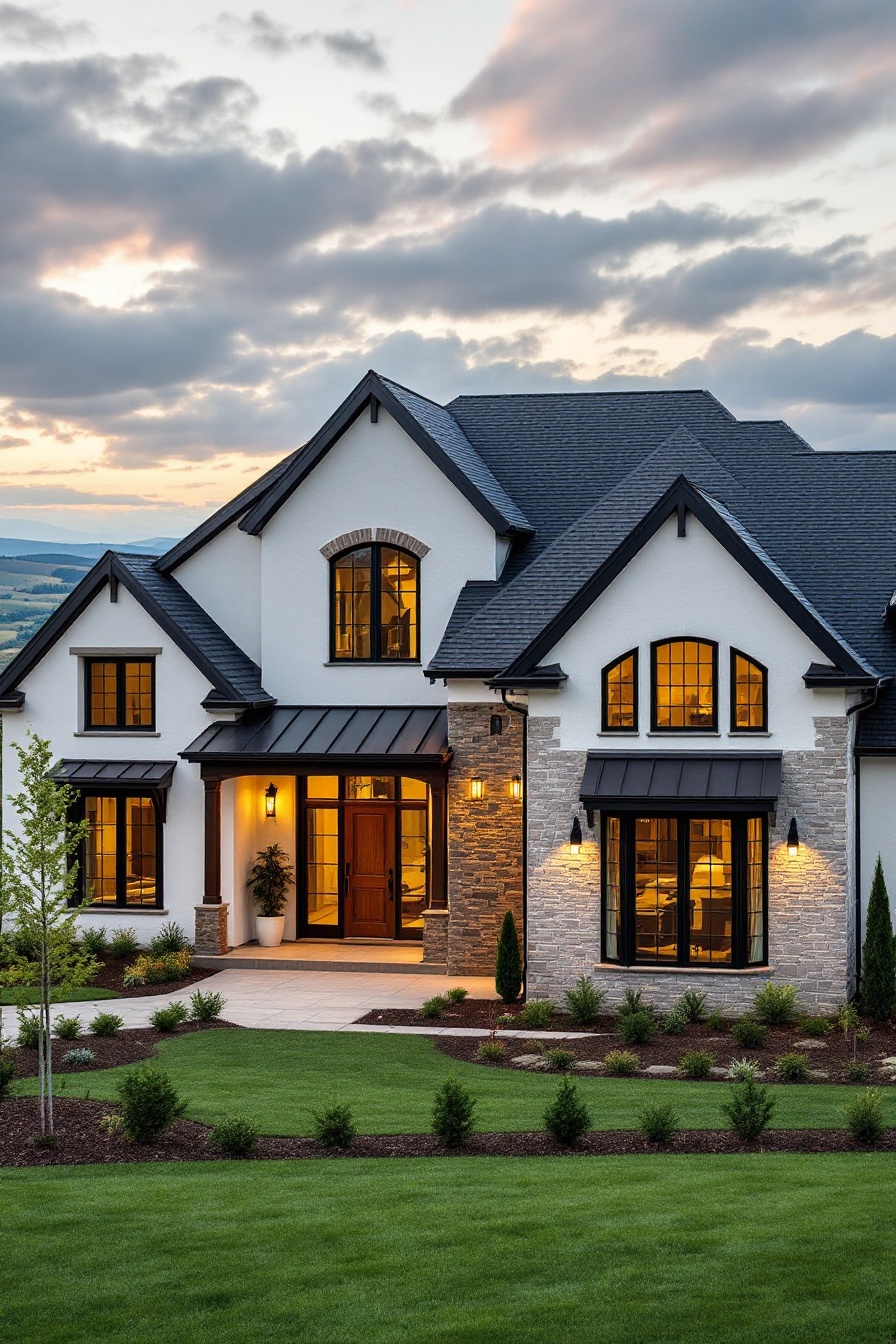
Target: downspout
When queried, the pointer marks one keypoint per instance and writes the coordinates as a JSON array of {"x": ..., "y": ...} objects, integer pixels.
[
  {"x": 523, "y": 712},
  {"x": 867, "y": 702}
]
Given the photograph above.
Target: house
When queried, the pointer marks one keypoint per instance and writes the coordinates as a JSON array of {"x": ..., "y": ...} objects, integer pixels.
[{"x": 618, "y": 662}]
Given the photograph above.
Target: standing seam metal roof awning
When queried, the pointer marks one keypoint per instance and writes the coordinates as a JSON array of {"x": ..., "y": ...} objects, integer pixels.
[
  {"x": 678, "y": 780},
  {"x": 334, "y": 735},
  {"x": 114, "y": 774}
]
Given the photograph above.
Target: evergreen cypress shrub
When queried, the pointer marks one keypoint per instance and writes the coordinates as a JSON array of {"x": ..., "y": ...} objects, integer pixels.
[
  {"x": 235, "y": 1136},
  {"x": 584, "y": 1002},
  {"x": 749, "y": 1109},
  {"x": 637, "y": 1028},
  {"x": 508, "y": 964},
  {"x": 149, "y": 1103},
  {"x": 658, "y": 1122},
  {"x": 865, "y": 1117},
  {"x": 335, "y": 1126},
  {"x": 878, "y": 986},
  {"x": 452, "y": 1113},
  {"x": 567, "y": 1118}
]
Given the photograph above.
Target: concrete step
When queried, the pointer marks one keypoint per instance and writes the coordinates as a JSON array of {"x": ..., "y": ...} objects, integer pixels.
[{"x": 247, "y": 962}]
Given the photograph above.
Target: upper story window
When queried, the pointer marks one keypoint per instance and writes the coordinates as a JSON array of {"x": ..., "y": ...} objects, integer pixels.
[
  {"x": 620, "y": 694},
  {"x": 684, "y": 685},
  {"x": 119, "y": 694},
  {"x": 375, "y": 605},
  {"x": 749, "y": 694}
]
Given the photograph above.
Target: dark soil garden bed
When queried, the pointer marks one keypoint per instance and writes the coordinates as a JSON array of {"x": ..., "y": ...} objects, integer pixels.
[
  {"x": 126, "y": 1047},
  {"x": 111, "y": 974},
  {"x": 79, "y": 1140}
]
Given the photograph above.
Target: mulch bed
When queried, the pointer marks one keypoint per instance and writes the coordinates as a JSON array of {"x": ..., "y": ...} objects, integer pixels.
[
  {"x": 79, "y": 1140},
  {"x": 111, "y": 974},
  {"x": 126, "y": 1047}
]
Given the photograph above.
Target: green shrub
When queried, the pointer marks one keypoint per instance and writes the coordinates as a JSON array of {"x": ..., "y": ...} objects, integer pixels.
[
  {"x": 95, "y": 942},
  {"x": 633, "y": 1002},
  {"x": 792, "y": 1067},
  {"x": 106, "y": 1024},
  {"x": 696, "y": 1063},
  {"x": 508, "y": 963},
  {"x": 559, "y": 1060},
  {"x": 749, "y": 1109},
  {"x": 149, "y": 1103},
  {"x": 269, "y": 880},
  {"x": 637, "y": 1028},
  {"x": 457, "y": 994},
  {"x": 536, "y": 1014},
  {"x": 8, "y": 1069},
  {"x": 123, "y": 943},
  {"x": 716, "y": 1020},
  {"x": 433, "y": 1007},
  {"x": 452, "y": 1113},
  {"x": 675, "y": 1022},
  {"x": 535, "y": 1047},
  {"x": 857, "y": 1071},
  {"x": 67, "y": 1028},
  {"x": 658, "y": 1123},
  {"x": 80, "y": 1057},
  {"x": 776, "y": 1004},
  {"x": 492, "y": 1052},
  {"x": 748, "y": 1033},
  {"x": 567, "y": 1118},
  {"x": 743, "y": 1070},
  {"x": 816, "y": 1026},
  {"x": 878, "y": 983},
  {"x": 865, "y": 1117},
  {"x": 147, "y": 970},
  {"x": 29, "y": 1031},
  {"x": 206, "y": 1007},
  {"x": 169, "y": 1017},
  {"x": 170, "y": 938},
  {"x": 235, "y": 1136},
  {"x": 693, "y": 1003},
  {"x": 584, "y": 1002},
  {"x": 334, "y": 1127},
  {"x": 622, "y": 1062}
]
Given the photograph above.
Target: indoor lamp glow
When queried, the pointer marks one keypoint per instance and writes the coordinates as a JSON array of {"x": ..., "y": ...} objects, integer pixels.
[{"x": 270, "y": 800}]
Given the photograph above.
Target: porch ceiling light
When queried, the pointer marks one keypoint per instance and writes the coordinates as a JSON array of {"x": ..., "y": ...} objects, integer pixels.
[
  {"x": 793, "y": 839},
  {"x": 575, "y": 836},
  {"x": 477, "y": 789},
  {"x": 515, "y": 788},
  {"x": 270, "y": 800}
]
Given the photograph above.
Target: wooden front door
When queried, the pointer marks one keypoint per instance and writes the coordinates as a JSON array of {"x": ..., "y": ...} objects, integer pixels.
[{"x": 369, "y": 872}]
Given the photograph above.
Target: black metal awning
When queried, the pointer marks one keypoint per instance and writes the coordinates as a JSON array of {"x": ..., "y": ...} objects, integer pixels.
[
  {"x": 363, "y": 736},
  {"x": 679, "y": 780},
  {"x": 114, "y": 774}
]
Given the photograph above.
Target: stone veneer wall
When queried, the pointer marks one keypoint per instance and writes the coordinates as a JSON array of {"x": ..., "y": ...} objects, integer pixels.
[
  {"x": 485, "y": 850},
  {"x": 210, "y": 937},
  {"x": 810, "y": 897}
]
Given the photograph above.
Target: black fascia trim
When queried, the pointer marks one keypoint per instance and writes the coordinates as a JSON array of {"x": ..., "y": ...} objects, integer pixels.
[
  {"x": 549, "y": 678},
  {"x": 633, "y": 654},
  {"x": 317, "y": 447},
  {"x": 302, "y": 764},
  {"x": 464, "y": 673},
  {"x": 817, "y": 676},
  {"x": 682, "y": 491},
  {"x": 13, "y": 701},
  {"x": 733, "y": 655},
  {"x": 214, "y": 702},
  {"x": 685, "y": 639}
]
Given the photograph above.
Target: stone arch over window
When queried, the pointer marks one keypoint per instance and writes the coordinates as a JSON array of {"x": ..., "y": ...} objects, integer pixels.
[{"x": 362, "y": 536}]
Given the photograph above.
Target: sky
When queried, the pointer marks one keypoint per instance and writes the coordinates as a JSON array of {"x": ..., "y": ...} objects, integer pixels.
[{"x": 215, "y": 218}]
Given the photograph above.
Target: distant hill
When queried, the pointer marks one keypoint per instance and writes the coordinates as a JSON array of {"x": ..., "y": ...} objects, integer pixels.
[{"x": 91, "y": 549}]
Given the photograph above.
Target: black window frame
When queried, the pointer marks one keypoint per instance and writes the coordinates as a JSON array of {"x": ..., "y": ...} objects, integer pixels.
[
  {"x": 605, "y": 727},
  {"x": 734, "y": 728},
  {"x": 121, "y": 796},
  {"x": 739, "y": 888},
  {"x": 120, "y": 726},
  {"x": 684, "y": 639},
  {"x": 376, "y": 548}
]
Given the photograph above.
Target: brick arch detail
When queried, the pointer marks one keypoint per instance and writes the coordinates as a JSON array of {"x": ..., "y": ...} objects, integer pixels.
[{"x": 363, "y": 536}]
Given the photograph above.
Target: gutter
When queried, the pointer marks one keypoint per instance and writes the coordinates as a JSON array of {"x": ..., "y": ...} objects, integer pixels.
[
  {"x": 523, "y": 712},
  {"x": 867, "y": 702}
]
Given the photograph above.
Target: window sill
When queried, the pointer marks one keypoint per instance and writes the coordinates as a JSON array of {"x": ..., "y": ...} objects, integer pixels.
[
  {"x": 133, "y": 733},
  {"x": 748, "y": 732},
  {"x": 375, "y": 662},
  {"x": 685, "y": 970},
  {"x": 619, "y": 732},
  {"x": 121, "y": 910},
  {"x": 676, "y": 733}
]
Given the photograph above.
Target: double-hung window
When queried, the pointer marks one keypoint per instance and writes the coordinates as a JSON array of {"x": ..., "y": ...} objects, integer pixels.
[{"x": 119, "y": 695}]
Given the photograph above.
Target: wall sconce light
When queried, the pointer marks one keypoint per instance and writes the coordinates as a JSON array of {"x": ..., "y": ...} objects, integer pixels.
[
  {"x": 270, "y": 800},
  {"x": 793, "y": 839},
  {"x": 575, "y": 836},
  {"x": 515, "y": 788},
  {"x": 496, "y": 725},
  {"x": 477, "y": 789}
]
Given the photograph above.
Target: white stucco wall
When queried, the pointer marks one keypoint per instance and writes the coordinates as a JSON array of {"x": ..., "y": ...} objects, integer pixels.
[
  {"x": 245, "y": 829},
  {"x": 225, "y": 579},
  {"x": 878, "y": 824},
  {"x": 375, "y": 476},
  {"x": 53, "y": 710},
  {"x": 685, "y": 586}
]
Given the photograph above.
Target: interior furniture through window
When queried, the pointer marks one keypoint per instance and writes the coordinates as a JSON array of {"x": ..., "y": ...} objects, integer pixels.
[
  {"x": 119, "y": 694},
  {"x": 121, "y": 857},
  {"x": 375, "y": 599},
  {"x": 684, "y": 685},
  {"x": 619, "y": 694}
]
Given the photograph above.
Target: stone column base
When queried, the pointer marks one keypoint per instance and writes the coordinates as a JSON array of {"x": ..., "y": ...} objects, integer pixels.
[
  {"x": 210, "y": 939},
  {"x": 435, "y": 937}
]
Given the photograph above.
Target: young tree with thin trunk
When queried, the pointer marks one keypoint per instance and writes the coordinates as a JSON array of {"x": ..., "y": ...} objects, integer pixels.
[{"x": 40, "y": 875}]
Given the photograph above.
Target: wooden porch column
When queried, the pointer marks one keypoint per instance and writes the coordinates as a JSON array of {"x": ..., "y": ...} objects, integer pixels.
[{"x": 212, "y": 892}]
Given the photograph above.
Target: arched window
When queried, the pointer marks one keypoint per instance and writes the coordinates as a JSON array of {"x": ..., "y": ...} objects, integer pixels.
[
  {"x": 375, "y": 594},
  {"x": 619, "y": 694},
  {"x": 749, "y": 694},
  {"x": 684, "y": 685}
]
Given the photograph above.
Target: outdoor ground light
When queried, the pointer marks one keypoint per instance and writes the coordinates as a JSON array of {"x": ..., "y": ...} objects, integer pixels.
[
  {"x": 270, "y": 800},
  {"x": 793, "y": 839},
  {"x": 575, "y": 836},
  {"x": 477, "y": 789},
  {"x": 515, "y": 788}
]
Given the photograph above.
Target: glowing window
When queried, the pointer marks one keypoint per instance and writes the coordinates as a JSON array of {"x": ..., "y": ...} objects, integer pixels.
[
  {"x": 375, "y": 605},
  {"x": 620, "y": 694},
  {"x": 749, "y": 694},
  {"x": 684, "y": 685},
  {"x": 119, "y": 694}
]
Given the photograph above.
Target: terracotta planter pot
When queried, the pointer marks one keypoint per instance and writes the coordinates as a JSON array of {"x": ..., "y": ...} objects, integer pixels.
[{"x": 270, "y": 931}]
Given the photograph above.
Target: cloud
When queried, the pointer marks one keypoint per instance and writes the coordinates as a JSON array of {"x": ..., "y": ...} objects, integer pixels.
[
  {"x": 687, "y": 90},
  {"x": 16, "y": 495},
  {"x": 25, "y": 27},
  {"x": 265, "y": 34},
  {"x": 10, "y": 441}
]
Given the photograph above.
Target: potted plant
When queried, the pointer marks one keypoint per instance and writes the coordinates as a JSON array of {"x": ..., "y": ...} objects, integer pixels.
[{"x": 270, "y": 877}]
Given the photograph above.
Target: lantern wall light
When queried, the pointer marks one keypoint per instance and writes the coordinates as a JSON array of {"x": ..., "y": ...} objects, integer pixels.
[
  {"x": 477, "y": 789},
  {"x": 515, "y": 788},
  {"x": 575, "y": 836},
  {"x": 793, "y": 839},
  {"x": 270, "y": 800}
]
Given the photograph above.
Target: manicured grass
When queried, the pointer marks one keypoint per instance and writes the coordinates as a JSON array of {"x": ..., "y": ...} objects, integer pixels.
[
  {"x": 278, "y": 1077},
  {"x": 13, "y": 996},
  {"x": 706, "y": 1250}
]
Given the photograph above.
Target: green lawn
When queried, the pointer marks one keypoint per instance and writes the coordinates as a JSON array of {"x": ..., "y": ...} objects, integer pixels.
[
  {"x": 12, "y": 996},
  {"x": 278, "y": 1077},
  {"x": 707, "y": 1250}
]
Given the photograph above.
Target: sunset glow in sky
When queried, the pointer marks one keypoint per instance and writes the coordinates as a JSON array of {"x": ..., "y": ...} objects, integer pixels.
[{"x": 214, "y": 219}]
